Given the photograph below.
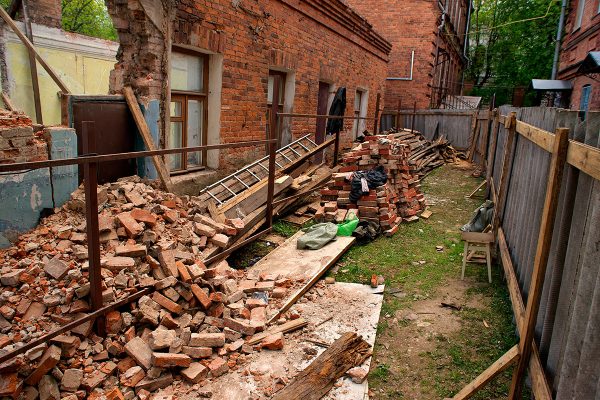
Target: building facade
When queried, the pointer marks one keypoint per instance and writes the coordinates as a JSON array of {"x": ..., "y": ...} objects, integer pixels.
[
  {"x": 428, "y": 54},
  {"x": 579, "y": 52},
  {"x": 225, "y": 59}
]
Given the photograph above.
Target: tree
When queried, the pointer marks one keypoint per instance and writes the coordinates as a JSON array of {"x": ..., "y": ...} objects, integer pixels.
[
  {"x": 88, "y": 17},
  {"x": 512, "y": 42}
]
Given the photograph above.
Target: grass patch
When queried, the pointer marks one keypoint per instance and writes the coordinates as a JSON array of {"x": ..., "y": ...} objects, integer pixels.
[{"x": 285, "y": 229}]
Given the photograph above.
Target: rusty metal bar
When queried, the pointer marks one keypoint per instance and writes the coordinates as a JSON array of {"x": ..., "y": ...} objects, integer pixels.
[
  {"x": 377, "y": 104},
  {"x": 67, "y": 327},
  {"x": 323, "y": 116},
  {"x": 122, "y": 156},
  {"x": 230, "y": 250},
  {"x": 90, "y": 178}
]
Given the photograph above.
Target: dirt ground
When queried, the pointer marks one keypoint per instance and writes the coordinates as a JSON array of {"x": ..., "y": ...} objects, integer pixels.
[{"x": 425, "y": 350}]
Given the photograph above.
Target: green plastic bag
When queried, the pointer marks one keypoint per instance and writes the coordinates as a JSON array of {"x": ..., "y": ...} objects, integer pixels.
[{"x": 348, "y": 226}]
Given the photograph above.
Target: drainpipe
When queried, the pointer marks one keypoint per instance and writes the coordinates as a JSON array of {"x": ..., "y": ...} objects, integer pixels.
[{"x": 559, "y": 31}]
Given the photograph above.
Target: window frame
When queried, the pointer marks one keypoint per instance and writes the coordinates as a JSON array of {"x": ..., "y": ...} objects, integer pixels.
[
  {"x": 579, "y": 15},
  {"x": 185, "y": 96}
]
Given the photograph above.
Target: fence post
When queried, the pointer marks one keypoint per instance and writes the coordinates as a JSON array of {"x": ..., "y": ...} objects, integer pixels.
[
  {"x": 559, "y": 158},
  {"x": 273, "y": 131},
  {"x": 90, "y": 176},
  {"x": 398, "y": 117},
  {"x": 510, "y": 125},
  {"x": 492, "y": 157},
  {"x": 414, "y": 115}
]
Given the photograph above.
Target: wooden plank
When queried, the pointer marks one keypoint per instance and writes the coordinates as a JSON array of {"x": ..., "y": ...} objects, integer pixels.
[
  {"x": 486, "y": 138},
  {"x": 7, "y": 102},
  {"x": 478, "y": 237},
  {"x": 289, "y": 326},
  {"x": 35, "y": 83},
  {"x": 559, "y": 157},
  {"x": 31, "y": 47},
  {"x": 585, "y": 158},
  {"x": 140, "y": 122},
  {"x": 214, "y": 212},
  {"x": 287, "y": 260},
  {"x": 539, "y": 382},
  {"x": 506, "y": 163},
  {"x": 256, "y": 197},
  {"x": 491, "y": 161},
  {"x": 542, "y": 138},
  {"x": 474, "y": 136},
  {"x": 492, "y": 371},
  {"x": 316, "y": 380}
]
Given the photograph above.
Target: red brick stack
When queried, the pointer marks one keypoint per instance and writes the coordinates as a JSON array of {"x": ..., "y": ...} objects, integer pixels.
[{"x": 400, "y": 198}]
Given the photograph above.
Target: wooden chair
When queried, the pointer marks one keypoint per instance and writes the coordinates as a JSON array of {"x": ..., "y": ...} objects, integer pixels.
[{"x": 474, "y": 242}]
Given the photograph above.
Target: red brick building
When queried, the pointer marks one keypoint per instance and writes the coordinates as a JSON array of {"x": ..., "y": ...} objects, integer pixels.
[
  {"x": 577, "y": 58},
  {"x": 428, "y": 38},
  {"x": 225, "y": 58}
]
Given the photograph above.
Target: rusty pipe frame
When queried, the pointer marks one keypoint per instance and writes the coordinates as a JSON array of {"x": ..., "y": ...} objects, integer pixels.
[
  {"x": 67, "y": 327},
  {"x": 124, "y": 156}
]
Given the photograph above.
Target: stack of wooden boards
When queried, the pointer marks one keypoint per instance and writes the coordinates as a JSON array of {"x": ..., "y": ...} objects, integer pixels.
[
  {"x": 387, "y": 205},
  {"x": 425, "y": 155}
]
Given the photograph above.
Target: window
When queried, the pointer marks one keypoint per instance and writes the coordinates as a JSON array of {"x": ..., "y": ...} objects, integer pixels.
[
  {"x": 579, "y": 16},
  {"x": 276, "y": 78},
  {"x": 189, "y": 91},
  {"x": 584, "y": 104},
  {"x": 360, "y": 110}
]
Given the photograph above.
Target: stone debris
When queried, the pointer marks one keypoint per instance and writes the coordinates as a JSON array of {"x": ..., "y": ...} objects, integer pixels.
[{"x": 192, "y": 326}]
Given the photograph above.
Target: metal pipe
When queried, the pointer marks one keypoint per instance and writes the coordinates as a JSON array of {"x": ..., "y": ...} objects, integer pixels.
[
  {"x": 122, "y": 156},
  {"x": 90, "y": 179},
  {"x": 559, "y": 31},
  {"x": 321, "y": 116},
  {"x": 67, "y": 327},
  {"x": 410, "y": 78}
]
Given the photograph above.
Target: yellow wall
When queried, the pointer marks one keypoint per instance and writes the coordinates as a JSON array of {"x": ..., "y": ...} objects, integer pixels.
[{"x": 82, "y": 74}]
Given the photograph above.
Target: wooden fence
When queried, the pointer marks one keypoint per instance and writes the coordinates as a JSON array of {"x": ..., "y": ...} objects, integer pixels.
[{"x": 546, "y": 187}]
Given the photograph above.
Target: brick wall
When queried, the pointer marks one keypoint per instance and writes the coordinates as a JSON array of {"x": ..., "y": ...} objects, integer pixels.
[
  {"x": 18, "y": 142},
  {"x": 45, "y": 12},
  {"x": 412, "y": 25},
  {"x": 576, "y": 45},
  {"x": 325, "y": 41}
]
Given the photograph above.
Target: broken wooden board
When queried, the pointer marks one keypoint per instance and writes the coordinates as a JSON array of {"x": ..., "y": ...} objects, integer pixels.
[
  {"x": 289, "y": 262},
  {"x": 253, "y": 198},
  {"x": 297, "y": 220},
  {"x": 327, "y": 322},
  {"x": 316, "y": 380}
]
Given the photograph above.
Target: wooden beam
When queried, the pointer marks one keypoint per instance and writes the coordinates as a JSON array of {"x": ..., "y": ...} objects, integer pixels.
[
  {"x": 492, "y": 156},
  {"x": 539, "y": 382},
  {"x": 474, "y": 136},
  {"x": 30, "y": 47},
  {"x": 542, "y": 138},
  {"x": 140, "y": 122},
  {"x": 585, "y": 158},
  {"x": 9, "y": 105},
  {"x": 501, "y": 364},
  {"x": 319, "y": 377},
  {"x": 510, "y": 125},
  {"x": 33, "y": 69},
  {"x": 486, "y": 138},
  {"x": 559, "y": 157}
]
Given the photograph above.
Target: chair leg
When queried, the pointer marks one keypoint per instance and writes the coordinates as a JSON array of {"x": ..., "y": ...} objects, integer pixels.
[
  {"x": 488, "y": 257},
  {"x": 465, "y": 251}
]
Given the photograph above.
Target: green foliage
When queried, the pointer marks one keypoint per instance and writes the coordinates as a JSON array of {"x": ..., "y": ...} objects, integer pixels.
[
  {"x": 88, "y": 17},
  {"x": 511, "y": 42},
  {"x": 285, "y": 229}
]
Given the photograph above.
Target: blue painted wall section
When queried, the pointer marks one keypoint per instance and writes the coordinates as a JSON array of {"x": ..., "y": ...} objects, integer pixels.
[
  {"x": 24, "y": 196},
  {"x": 151, "y": 113}
]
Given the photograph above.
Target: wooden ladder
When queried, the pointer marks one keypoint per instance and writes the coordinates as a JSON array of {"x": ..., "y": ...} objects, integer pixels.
[{"x": 252, "y": 174}]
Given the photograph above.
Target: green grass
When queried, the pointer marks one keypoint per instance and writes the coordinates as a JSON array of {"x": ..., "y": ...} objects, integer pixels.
[
  {"x": 285, "y": 229},
  {"x": 410, "y": 263}
]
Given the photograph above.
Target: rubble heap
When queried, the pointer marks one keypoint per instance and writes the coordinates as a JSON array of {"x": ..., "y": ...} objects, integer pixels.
[
  {"x": 191, "y": 325},
  {"x": 385, "y": 205}
]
